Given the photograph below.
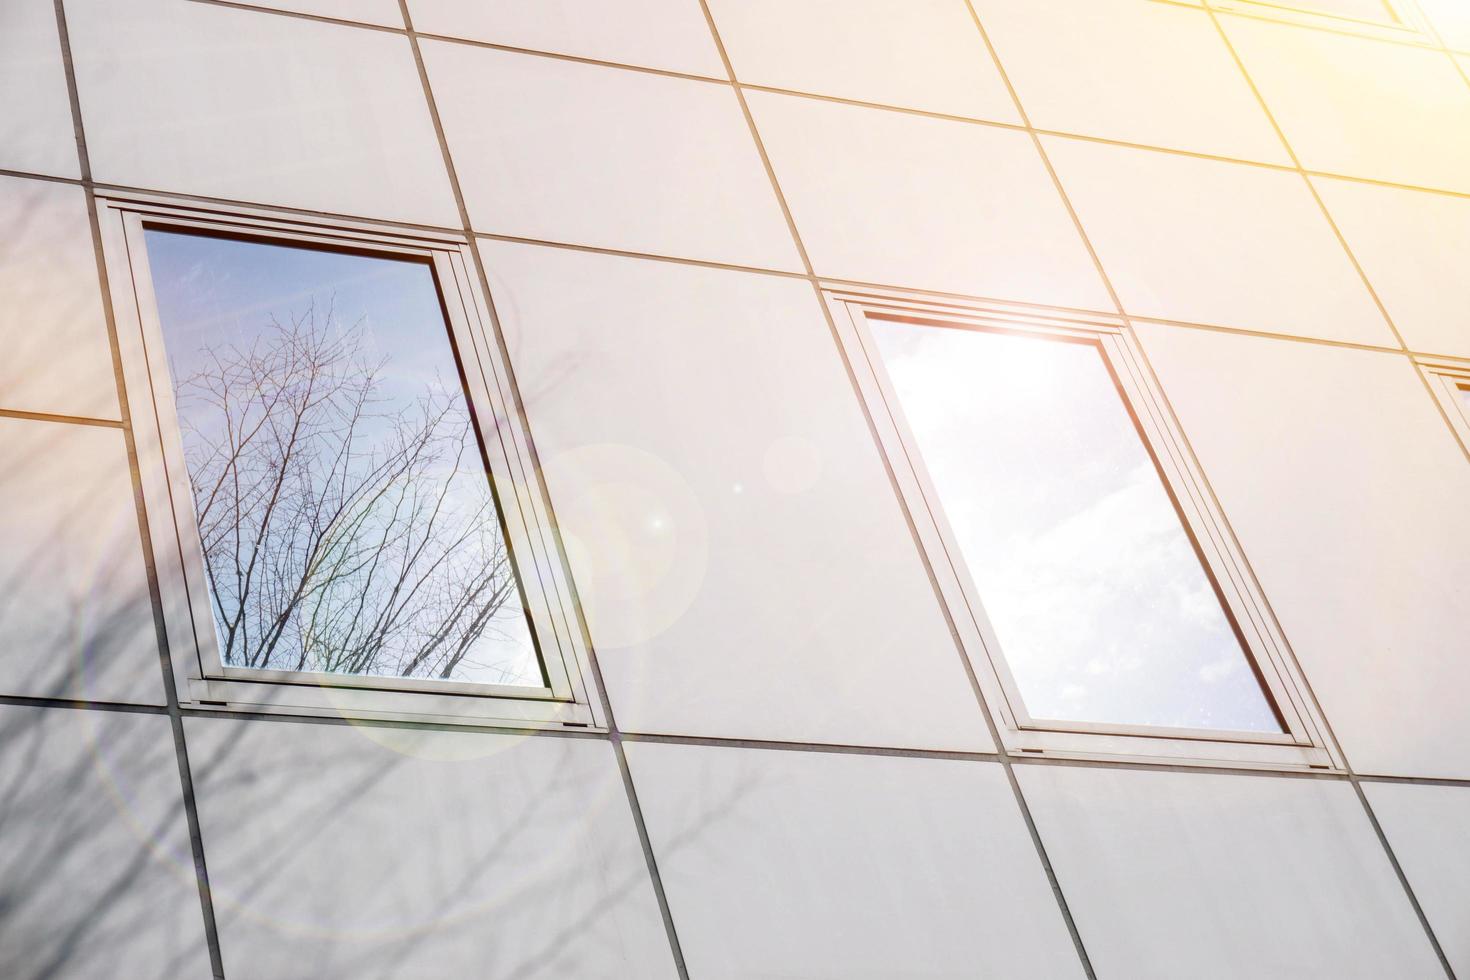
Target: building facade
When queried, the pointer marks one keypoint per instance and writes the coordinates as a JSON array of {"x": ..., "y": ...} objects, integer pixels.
[{"x": 735, "y": 488}]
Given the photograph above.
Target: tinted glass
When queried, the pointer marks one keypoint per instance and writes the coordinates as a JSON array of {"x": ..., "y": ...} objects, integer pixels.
[
  {"x": 1101, "y": 606},
  {"x": 343, "y": 502}
]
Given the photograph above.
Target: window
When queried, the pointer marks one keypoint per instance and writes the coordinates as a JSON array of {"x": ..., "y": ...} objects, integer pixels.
[
  {"x": 334, "y": 459},
  {"x": 1099, "y": 594},
  {"x": 1450, "y": 382}
]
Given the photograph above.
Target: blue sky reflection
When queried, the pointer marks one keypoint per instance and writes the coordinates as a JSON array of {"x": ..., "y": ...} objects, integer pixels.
[{"x": 347, "y": 519}]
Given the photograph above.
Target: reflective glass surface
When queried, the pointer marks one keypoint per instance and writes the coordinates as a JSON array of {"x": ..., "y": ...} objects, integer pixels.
[
  {"x": 1102, "y": 608},
  {"x": 345, "y": 510}
]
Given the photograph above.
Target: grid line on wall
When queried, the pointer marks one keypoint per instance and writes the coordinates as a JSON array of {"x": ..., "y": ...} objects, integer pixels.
[
  {"x": 1296, "y": 167},
  {"x": 1351, "y": 773},
  {"x": 714, "y": 741},
  {"x": 1129, "y": 320},
  {"x": 173, "y": 711},
  {"x": 765, "y": 271},
  {"x": 1438, "y": 44},
  {"x": 15, "y": 413},
  {"x": 165, "y": 660},
  {"x": 1002, "y": 756},
  {"x": 906, "y": 110},
  {"x": 760, "y": 270},
  {"x": 613, "y": 735},
  {"x": 1449, "y": 52},
  {"x": 1123, "y": 313}
]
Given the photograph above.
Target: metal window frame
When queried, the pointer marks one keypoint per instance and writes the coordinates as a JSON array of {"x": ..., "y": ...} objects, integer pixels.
[
  {"x": 1305, "y": 744},
  {"x": 1447, "y": 378},
  {"x": 1404, "y": 21},
  {"x": 202, "y": 680}
]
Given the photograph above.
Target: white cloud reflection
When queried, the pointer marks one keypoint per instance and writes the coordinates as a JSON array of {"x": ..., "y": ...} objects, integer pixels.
[{"x": 1100, "y": 604}]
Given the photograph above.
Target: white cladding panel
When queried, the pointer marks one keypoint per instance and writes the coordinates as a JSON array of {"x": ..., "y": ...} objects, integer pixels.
[
  {"x": 421, "y": 854},
  {"x": 1429, "y": 829},
  {"x": 1347, "y": 490},
  {"x": 1414, "y": 247},
  {"x": 36, "y": 131},
  {"x": 1212, "y": 242},
  {"x": 385, "y": 13},
  {"x": 741, "y": 557},
  {"x": 1130, "y": 70},
  {"x": 95, "y": 868},
  {"x": 669, "y": 34},
  {"x": 75, "y": 616},
  {"x": 565, "y": 152},
  {"x": 742, "y": 560},
  {"x": 918, "y": 54},
  {"x": 1204, "y": 875},
  {"x": 897, "y": 199},
  {"x": 53, "y": 334},
  {"x": 795, "y": 864},
  {"x": 1354, "y": 106},
  {"x": 202, "y": 99}
]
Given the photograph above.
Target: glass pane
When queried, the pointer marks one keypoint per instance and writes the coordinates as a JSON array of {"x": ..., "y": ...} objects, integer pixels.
[
  {"x": 347, "y": 518},
  {"x": 1100, "y": 604}
]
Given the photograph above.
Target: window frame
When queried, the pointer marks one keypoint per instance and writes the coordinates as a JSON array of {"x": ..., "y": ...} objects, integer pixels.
[
  {"x": 201, "y": 679},
  {"x": 1447, "y": 378},
  {"x": 1305, "y": 743}
]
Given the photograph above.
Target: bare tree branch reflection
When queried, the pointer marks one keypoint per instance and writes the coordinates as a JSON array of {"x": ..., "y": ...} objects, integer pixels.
[{"x": 346, "y": 529}]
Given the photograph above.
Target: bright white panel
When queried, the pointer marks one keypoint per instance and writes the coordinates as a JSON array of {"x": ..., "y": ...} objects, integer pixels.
[
  {"x": 1204, "y": 875},
  {"x": 740, "y": 555},
  {"x": 98, "y": 874},
  {"x": 1371, "y": 11},
  {"x": 668, "y": 34},
  {"x": 53, "y": 335},
  {"x": 559, "y": 151},
  {"x": 1211, "y": 242},
  {"x": 209, "y": 100},
  {"x": 75, "y": 616},
  {"x": 1347, "y": 490},
  {"x": 1359, "y": 107},
  {"x": 36, "y": 132},
  {"x": 896, "y": 199},
  {"x": 1130, "y": 70},
  {"x": 340, "y": 851},
  {"x": 917, "y": 54},
  {"x": 384, "y": 12},
  {"x": 815, "y": 865},
  {"x": 1414, "y": 247},
  {"x": 1450, "y": 19},
  {"x": 1428, "y": 828}
]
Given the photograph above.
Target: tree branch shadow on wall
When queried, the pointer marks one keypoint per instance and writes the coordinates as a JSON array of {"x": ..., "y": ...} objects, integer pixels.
[
  {"x": 363, "y": 862},
  {"x": 96, "y": 874}
]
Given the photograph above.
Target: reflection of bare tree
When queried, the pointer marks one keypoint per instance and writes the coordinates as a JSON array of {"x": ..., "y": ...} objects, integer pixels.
[{"x": 346, "y": 527}]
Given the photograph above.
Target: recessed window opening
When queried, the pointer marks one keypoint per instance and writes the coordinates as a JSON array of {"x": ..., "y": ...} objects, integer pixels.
[
  {"x": 1090, "y": 576},
  {"x": 345, "y": 511},
  {"x": 1092, "y": 584},
  {"x": 1449, "y": 381}
]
